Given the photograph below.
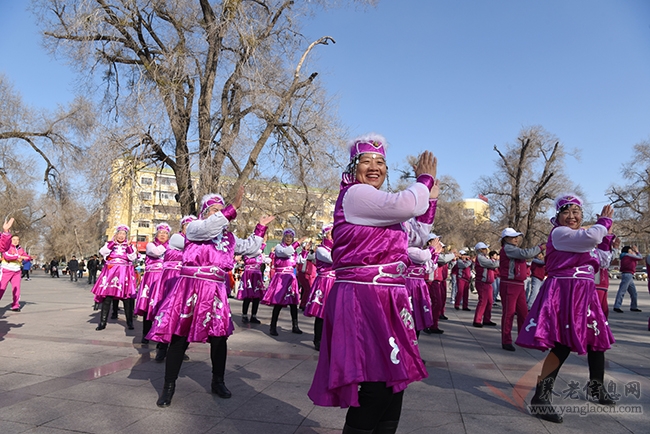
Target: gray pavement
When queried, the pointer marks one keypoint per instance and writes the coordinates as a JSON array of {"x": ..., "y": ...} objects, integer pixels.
[{"x": 58, "y": 375}]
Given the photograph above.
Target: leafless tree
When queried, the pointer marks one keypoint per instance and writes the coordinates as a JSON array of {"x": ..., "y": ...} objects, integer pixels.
[
  {"x": 228, "y": 75},
  {"x": 46, "y": 135},
  {"x": 632, "y": 200},
  {"x": 529, "y": 175}
]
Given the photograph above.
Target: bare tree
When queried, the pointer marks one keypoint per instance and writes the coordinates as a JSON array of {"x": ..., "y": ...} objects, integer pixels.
[
  {"x": 228, "y": 75},
  {"x": 632, "y": 200},
  {"x": 44, "y": 134},
  {"x": 529, "y": 175}
]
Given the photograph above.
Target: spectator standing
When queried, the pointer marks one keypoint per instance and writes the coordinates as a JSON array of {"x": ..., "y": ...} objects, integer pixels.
[
  {"x": 93, "y": 266},
  {"x": 73, "y": 268}
]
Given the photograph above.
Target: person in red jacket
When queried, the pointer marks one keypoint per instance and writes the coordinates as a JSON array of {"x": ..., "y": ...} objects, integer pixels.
[
  {"x": 605, "y": 252},
  {"x": 513, "y": 271},
  {"x": 630, "y": 256}
]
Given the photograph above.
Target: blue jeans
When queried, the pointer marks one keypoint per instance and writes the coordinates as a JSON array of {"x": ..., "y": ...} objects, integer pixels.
[{"x": 627, "y": 284}]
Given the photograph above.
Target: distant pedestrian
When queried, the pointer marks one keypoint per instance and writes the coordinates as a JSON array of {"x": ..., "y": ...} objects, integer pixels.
[
  {"x": 27, "y": 266},
  {"x": 73, "y": 268},
  {"x": 93, "y": 266}
]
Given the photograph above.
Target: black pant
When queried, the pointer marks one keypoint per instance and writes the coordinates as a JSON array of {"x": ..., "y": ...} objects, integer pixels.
[
  {"x": 176, "y": 351},
  {"x": 92, "y": 276},
  {"x": 595, "y": 360},
  {"x": 377, "y": 403},
  {"x": 247, "y": 302}
]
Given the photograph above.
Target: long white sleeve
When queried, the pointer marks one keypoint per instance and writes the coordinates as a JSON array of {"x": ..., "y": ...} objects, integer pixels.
[
  {"x": 210, "y": 228},
  {"x": 364, "y": 205}
]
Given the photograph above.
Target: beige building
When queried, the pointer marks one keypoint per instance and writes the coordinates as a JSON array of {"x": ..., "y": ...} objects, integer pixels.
[
  {"x": 148, "y": 198},
  {"x": 479, "y": 209}
]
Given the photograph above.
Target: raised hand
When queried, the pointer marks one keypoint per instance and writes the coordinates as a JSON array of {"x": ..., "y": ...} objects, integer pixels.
[
  {"x": 427, "y": 163},
  {"x": 608, "y": 211},
  {"x": 266, "y": 219},
  {"x": 7, "y": 225},
  {"x": 435, "y": 190}
]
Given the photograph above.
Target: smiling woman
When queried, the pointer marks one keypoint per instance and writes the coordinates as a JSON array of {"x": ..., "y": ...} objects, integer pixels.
[{"x": 369, "y": 351}]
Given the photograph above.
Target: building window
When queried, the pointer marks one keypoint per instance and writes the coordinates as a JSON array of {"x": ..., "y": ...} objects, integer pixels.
[
  {"x": 162, "y": 180},
  {"x": 145, "y": 195},
  {"x": 469, "y": 212},
  {"x": 167, "y": 196},
  {"x": 142, "y": 238},
  {"x": 143, "y": 224},
  {"x": 145, "y": 209},
  {"x": 145, "y": 180}
]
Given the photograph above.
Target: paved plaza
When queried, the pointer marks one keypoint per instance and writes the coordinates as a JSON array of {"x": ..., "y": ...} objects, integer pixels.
[{"x": 58, "y": 375}]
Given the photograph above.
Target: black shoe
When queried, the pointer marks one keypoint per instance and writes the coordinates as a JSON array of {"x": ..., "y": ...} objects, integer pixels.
[
  {"x": 100, "y": 327},
  {"x": 144, "y": 341},
  {"x": 114, "y": 315},
  {"x": 317, "y": 346},
  {"x": 541, "y": 405},
  {"x": 165, "y": 399},
  {"x": 436, "y": 331},
  {"x": 477, "y": 324},
  {"x": 15, "y": 309},
  {"x": 598, "y": 393},
  {"x": 161, "y": 353},
  {"x": 489, "y": 323},
  {"x": 219, "y": 388},
  {"x": 457, "y": 308},
  {"x": 631, "y": 310},
  {"x": 616, "y": 309},
  {"x": 254, "y": 320},
  {"x": 467, "y": 309},
  {"x": 296, "y": 330},
  {"x": 186, "y": 358},
  {"x": 273, "y": 331},
  {"x": 244, "y": 319},
  {"x": 508, "y": 347},
  {"x": 442, "y": 317},
  {"x": 427, "y": 330}
]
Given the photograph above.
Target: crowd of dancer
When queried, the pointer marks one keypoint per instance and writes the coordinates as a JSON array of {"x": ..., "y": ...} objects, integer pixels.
[{"x": 377, "y": 278}]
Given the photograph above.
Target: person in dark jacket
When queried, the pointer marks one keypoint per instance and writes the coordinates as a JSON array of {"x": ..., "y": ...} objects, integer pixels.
[{"x": 73, "y": 268}]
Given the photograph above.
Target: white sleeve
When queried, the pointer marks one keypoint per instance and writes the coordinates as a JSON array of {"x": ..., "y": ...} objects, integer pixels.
[
  {"x": 132, "y": 256},
  {"x": 322, "y": 254},
  {"x": 177, "y": 242},
  {"x": 155, "y": 251},
  {"x": 364, "y": 205},
  {"x": 418, "y": 232},
  {"x": 604, "y": 257},
  {"x": 249, "y": 246},
  {"x": 203, "y": 230},
  {"x": 105, "y": 251},
  {"x": 419, "y": 256},
  {"x": 284, "y": 252},
  {"x": 566, "y": 239}
]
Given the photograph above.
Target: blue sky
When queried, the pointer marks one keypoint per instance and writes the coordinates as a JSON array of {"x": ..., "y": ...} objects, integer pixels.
[{"x": 454, "y": 77}]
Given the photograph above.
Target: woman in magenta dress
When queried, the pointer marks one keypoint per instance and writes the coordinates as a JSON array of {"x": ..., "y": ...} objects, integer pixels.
[
  {"x": 117, "y": 279},
  {"x": 197, "y": 310},
  {"x": 322, "y": 284},
  {"x": 283, "y": 288},
  {"x": 251, "y": 289},
  {"x": 369, "y": 352},
  {"x": 12, "y": 260},
  {"x": 566, "y": 316},
  {"x": 152, "y": 278},
  {"x": 172, "y": 262}
]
